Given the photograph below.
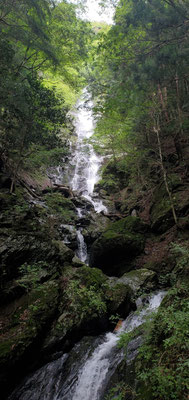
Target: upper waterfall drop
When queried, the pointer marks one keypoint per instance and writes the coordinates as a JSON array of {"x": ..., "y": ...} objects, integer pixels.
[{"x": 85, "y": 161}]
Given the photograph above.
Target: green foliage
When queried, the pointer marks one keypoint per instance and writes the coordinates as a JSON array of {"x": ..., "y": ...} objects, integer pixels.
[
  {"x": 84, "y": 298},
  {"x": 164, "y": 355},
  {"x": 114, "y": 318},
  {"x": 124, "y": 340},
  {"x": 44, "y": 157},
  {"x": 138, "y": 79},
  {"x": 37, "y": 36},
  {"x": 87, "y": 299},
  {"x": 121, "y": 391},
  {"x": 31, "y": 275}
]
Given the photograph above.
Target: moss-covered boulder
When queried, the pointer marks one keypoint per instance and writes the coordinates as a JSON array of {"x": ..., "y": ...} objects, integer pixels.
[
  {"x": 136, "y": 279},
  {"x": 115, "y": 249},
  {"x": 87, "y": 300},
  {"x": 119, "y": 299},
  {"x": 97, "y": 224},
  {"x": 115, "y": 175},
  {"x": 82, "y": 307}
]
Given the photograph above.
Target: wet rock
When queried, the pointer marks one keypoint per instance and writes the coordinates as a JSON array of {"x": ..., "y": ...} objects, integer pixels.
[
  {"x": 98, "y": 223},
  {"x": 116, "y": 248},
  {"x": 69, "y": 235},
  {"x": 81, "y": 202}
]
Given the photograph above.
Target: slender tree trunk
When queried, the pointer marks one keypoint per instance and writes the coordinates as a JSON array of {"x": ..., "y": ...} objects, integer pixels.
[
  {"x": 178, "y": 104},
  {"x": 180, "y": 131},
  {"x": 157, "y": 130},
  {"x": 163, "y": 102}
]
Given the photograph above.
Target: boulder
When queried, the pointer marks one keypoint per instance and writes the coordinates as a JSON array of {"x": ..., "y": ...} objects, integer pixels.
[
  {"x": 82, "y": 307},
  {"x": 119, "y": 299},
  {"x": 87, "y": 300},
  {"x": 137, "y": 279},
  {"x": 115, "y": 249}
]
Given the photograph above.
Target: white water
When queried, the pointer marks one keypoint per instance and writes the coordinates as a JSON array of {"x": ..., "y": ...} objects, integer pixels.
[
  {"x": 82, "y": 247},
  {"x": 86, "y": 163},
  {"x": 95, "y": 370},
  {"x": 85, "y": 373},
  {"x": 85, "y": 160}
]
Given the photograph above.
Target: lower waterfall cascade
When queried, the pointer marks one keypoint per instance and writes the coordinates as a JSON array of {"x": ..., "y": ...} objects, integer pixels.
[{"x": 85, "y": 372}]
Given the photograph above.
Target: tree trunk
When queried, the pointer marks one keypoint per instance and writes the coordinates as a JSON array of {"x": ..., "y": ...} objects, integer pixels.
[
  {"x": 156, "y": 130},
  {"x": 163, "y": 102}
]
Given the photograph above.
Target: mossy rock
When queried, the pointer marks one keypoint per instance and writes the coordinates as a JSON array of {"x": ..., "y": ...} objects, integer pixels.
[
  {"x": 59, "y": 205},
  {"x": 114, "y": 250},
  {"x": 82, "y": 307},
  {"x": 139, "y": 278},
  {"x": 25, "y": 325},
  {"x": 64, "y": 253},
  {"x": 119, "y": 299}
]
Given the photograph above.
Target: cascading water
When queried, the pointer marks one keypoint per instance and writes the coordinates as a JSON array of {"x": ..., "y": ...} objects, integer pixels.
[
  {"x": 86, "y": 163},
  {"x": 85, "y": 160},
  {"x": 84, "y": 374}
]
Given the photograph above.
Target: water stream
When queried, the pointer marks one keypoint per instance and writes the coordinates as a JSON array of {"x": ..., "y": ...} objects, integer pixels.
[
  {"x": 85, "y": 162},
  {"x": 85, "y": 373},
  {"x": 81, "y": 171}
]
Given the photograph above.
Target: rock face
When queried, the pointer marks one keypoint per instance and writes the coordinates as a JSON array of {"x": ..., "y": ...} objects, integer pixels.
[
  {"x": 23, "y": 325},
  {"x": 116, "y": 248}
]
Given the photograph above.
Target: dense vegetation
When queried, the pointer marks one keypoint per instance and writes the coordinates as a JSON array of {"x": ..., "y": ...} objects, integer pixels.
[
  {"x": 141, "y": 81},
  {"x": 40, "y": 52}
]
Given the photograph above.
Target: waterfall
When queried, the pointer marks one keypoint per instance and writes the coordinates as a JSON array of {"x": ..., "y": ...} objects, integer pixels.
[
  {"x": 81, "y": 169},
  {"x": 84, "y": 374},
  {"x": 86, "y": 163}
]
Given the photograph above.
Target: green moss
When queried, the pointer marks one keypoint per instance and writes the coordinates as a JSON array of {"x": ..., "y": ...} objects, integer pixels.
[
  {"x": 117, "y": 295},
  {"x": 109, "y": 184},
  {"x": 58, "y": 204},
  {"x": 5, "y": 348},
  {"x": 82, "y": 299},
  {"x": 115, "y": 248},
  {"x": 28, "y": 321},
  {"x": 128, "y": 224},
  {"x": 91, "y": 276}
]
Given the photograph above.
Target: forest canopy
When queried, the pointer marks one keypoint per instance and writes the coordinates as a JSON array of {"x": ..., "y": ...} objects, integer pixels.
[{"x": 40, "y": 41}]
